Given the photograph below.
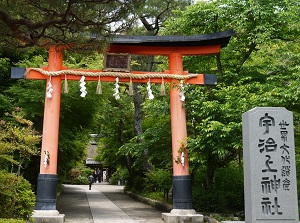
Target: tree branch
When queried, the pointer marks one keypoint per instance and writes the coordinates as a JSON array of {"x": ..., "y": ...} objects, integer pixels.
[
  {"x": 52, "y": 24},
  {"x": 251, "y": 48}
]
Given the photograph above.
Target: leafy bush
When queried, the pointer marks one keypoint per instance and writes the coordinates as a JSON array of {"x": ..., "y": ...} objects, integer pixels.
[
  {"x": 157, "y": 195},
  {"x": 138, "y": 184},
  {"x": 120, "y": 174},
  {"x": 16, "y": 197},
  {"x": 85, "y": 172},
  {"x": 227, "y": 196},
  {"x": 79, "y": 175},
  {"x": 4, "y": 220},
  {"x": 81, "y": 180},
  {"x": 158, "y": 180},
  {"x": 114, "y": 178}
]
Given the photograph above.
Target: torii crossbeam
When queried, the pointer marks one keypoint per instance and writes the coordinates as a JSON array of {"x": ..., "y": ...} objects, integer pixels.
[{"x": 175, "y": 47}]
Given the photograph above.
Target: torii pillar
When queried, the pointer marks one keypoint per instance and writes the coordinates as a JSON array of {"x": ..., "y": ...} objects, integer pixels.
[
  {"x": 182, "y": 194},
  {"x": 47, "y": 178},
  {"x": 173, "y": 47},
  {"x": 45, "y": 207}
]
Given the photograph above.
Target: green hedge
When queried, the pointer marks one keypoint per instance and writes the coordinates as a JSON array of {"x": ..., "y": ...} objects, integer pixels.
[
  {"x": 5, "y": 220},
  {"x": 16, "y": 197},
  {"x": 226, "y": 197},
  {"x": 78, "y": 176}
]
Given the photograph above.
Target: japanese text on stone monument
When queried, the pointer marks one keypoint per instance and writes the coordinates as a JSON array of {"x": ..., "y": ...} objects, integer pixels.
[{"x": 269, "y": 162}]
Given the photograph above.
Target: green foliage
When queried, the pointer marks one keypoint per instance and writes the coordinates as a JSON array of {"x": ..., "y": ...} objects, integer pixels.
[
  {"x": 253, "y": 21},
  {"x": 158, "y": 181},
  {"x": 18, "y": 141},
  {"x": 155, "y": 195},
  {"x": 4, "y": 66},
  {"x": 226, "y": 197},
  {"x": 114, "y": 126},
  {"x": 156, "y": 12},
  {"x": 115, "y": 179},
  {"x": 257, "y": 68},
  {"x": 3, "y": 220},
  {"x": 16, "y": 197},
  {"x": 78, "y": 175},
  {"x": 33, "y": 61},
  {"x": 29, "y": 95},
  {"x": 138, "y": 184},
  {"x": 80, "y": 60},
  {"x": 5, "y": 104},
  {"x": 78, "y": 115},
  {"x": 57, "y": 22},
  {"x": 80, "y": 180},
  {"x": 120, "y": 176},
  {"x": 156, "y": 138}
]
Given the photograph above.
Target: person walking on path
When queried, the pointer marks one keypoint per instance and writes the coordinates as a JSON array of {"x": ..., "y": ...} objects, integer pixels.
[{"x": 91, "y": 181}]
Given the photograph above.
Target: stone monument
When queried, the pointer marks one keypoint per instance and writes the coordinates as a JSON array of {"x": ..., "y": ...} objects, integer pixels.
[{"x": 270, "y": 183}]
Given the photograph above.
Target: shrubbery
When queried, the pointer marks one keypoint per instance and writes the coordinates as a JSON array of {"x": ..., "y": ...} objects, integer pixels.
[
  {"x": 158, "y": 181},
  {"x": 155, "y": 185},
  {"x": 4, "y": 220},
  {"x": 227, "y": 196},
  {"x": 16, "y": 197},
  {"x": 79, "y": 175},
  {"x": 120, "y": 176}
]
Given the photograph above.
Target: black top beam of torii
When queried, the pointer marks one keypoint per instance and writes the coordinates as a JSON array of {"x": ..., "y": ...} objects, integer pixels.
[{"x": 218, "y": 38}]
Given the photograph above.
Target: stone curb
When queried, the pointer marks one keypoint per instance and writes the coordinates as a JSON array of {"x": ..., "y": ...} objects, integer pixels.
[
  {"x": 161, "y": 206},
  {"x": 157, "y": 204}
]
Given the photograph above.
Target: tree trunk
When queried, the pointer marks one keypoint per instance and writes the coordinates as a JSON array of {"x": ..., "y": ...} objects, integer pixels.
[
  {"x": 138, "y": 111},
  {"x": 219, "y": 65},
  {"x": 252, "y": 48},
  {"x": 121, "y": 140},
  {"x": 138, "y": 116},
  {"x": 137, "y": 97},
  {"x": 210, "y": 173},
  {"x": 196, "y": 167}
]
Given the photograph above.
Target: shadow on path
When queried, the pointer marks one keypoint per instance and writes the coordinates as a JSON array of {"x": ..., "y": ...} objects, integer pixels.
[{"x": 101, "y": 203}]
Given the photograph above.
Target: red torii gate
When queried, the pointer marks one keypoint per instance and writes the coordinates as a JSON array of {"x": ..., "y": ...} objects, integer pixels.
[{"x": 175, "y": 47}]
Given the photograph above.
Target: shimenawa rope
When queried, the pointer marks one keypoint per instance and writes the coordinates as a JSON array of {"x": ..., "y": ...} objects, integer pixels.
[{"x": 113, "y": 74}]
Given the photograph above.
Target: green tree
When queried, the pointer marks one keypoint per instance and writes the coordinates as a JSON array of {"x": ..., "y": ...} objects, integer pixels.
[
  {"x": 152, "y": 17},
  {"x": 256, "y": 23},
  {"x": 265, "y": 33},
  {"x": 115, "y": 128},
  {"x": 16, "y": 197},
  {"x": 40, "y": 23},
  {"x": 156, "y": 12},
  {"x": 18, "y": 142}
]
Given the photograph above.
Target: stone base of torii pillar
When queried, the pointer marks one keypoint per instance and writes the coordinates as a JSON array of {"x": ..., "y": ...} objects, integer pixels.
[
  {"x": 49, "y": 216},
  {"x": 182, "y": 211},
  {"x": 182, "y": 216}
]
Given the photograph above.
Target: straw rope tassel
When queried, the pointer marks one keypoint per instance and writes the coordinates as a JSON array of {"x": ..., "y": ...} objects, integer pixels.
[
  {"x": 99, "y": 87},
  {"x": 66, "y": 87},
  {"x": 162, "y": 87},
  {"x": 130, "y": 92}
]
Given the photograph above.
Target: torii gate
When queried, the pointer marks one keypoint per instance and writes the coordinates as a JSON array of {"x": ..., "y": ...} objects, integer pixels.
[{"x": 175, "y": 47}]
